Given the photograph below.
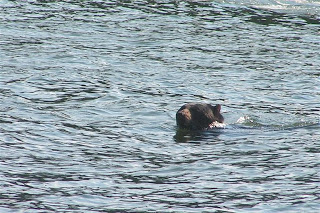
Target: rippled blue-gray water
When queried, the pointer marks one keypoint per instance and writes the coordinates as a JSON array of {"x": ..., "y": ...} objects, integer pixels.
[{"x": 89, "y": 92}]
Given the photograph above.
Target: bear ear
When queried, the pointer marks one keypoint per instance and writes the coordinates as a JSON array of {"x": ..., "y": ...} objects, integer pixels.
[{"x": 218, "y": 107}]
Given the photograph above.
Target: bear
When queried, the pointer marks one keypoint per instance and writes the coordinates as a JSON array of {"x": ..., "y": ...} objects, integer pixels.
[{"x": 199, "y": 116}]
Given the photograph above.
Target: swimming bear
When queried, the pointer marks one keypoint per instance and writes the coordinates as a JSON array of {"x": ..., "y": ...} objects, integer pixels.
[{"x": 199, "y": 116}]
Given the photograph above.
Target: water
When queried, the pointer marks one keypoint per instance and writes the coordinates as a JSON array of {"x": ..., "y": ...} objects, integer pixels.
[{"x": 89, "y": 91}]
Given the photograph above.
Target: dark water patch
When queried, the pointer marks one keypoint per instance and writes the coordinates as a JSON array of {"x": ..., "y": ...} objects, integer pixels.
[{"x": 89, "y": 92}]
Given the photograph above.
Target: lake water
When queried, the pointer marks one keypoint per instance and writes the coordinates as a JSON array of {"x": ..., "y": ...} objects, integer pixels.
[{"x": 89, "y": 92}]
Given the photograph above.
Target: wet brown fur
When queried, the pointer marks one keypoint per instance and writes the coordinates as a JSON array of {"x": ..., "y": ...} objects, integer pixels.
[{"x": 198, "y": 116}]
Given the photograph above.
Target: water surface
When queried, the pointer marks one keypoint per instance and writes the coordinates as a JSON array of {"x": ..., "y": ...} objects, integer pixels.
[{"x": 89, "y": 91}]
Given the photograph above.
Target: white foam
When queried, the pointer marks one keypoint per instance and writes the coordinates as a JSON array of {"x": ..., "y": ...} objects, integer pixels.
[
  {"x": 243, "y": 119},
  {"x": 216, "y": 124}
]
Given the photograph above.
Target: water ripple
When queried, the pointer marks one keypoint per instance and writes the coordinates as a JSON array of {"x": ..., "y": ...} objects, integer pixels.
[{"x": 89, "y": 91}]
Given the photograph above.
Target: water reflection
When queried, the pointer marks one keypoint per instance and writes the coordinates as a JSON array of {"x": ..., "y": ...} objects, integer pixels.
[
  {"x": 184, "y": 135},
  {"x": 88, "y": 95}
]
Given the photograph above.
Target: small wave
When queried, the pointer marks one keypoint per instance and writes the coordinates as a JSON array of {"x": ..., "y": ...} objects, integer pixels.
[
  {"x": 299, "y": 7},
  {"x": 246, "y": 121},
  {"x": 249, "y": 121}
]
